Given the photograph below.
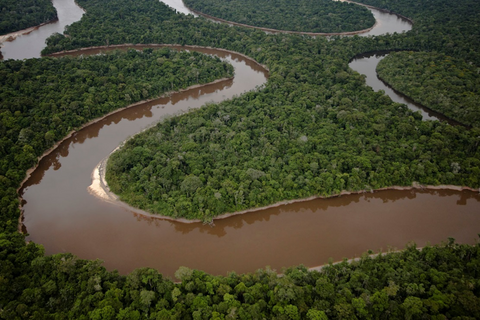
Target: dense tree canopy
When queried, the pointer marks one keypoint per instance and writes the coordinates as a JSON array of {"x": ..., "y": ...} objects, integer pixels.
[
  {"x": 450, "y": 27},
  {"x": 314, "y": 130},
  {"x": 41, "y": 100},
  {"x": 315, "y": 120},
  {"x": 438, "y": 282},
  {"x": 20, "y": 14},
  {"x": 441, "y": 83},
  {"x": 261, "y": 150},
  {"x": 303, "y": 15}
]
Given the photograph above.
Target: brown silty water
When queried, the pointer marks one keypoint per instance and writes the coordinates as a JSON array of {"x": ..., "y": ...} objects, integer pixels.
[{"x": 64, "y": 217}]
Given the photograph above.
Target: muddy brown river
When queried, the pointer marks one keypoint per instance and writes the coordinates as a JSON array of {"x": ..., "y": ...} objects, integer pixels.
[{"x": 64, "y": 217}]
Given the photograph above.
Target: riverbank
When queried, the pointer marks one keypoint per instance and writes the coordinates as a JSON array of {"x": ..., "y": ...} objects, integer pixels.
[
  {"x": 28, "y": 43},
  {"x": 431, "y": 111},
  {"x": 70, "y": 134},
  {"x": 356, "y": 259},
  {"x": 99, "y": 188},
  {"x": 13, "y": 35},
  {"x": 154, "y": 46},
  {"x": 381, "y": 10},
  {"x": 323, "y": 34}
]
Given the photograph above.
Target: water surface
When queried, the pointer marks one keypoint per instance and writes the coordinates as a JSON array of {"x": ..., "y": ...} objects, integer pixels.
[
  {"x": 64, "y": 217},
  {"x": 366, "y": 64},
  {"x": 30, "y": 45}
]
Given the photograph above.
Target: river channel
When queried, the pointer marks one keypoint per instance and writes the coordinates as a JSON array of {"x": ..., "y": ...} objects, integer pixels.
[
  {"x": 61, "y": 214},
  {"x": 30, "y": 45},
  {"x": 366, "y": 64}
]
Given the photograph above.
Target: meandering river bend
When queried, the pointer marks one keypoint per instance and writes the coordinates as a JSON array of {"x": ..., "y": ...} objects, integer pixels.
[{"x": 64, "y": 217}]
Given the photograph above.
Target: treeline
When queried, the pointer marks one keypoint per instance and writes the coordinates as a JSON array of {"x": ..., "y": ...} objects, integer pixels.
[
  {"x": 21, "y": 14},
  {"x": 440, "y": 25},
  {"x": 357, "y": 138},
  {"x": 148, "y": 22},
  {"x": 41, "y": 100},
  {"x": 439, "y": 282},
  {"x": 388, "y": 142},
  {"x": 442, "y": 83},
  {"x": 262, "y": 148},
  {"x": 303, "y": 15}
]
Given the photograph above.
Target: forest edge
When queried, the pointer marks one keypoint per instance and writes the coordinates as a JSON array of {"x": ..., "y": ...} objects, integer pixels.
[
  {"x": 100, "y": 189},
  {"x": 325, "y": 34},
  {"x": 13, "y": 35},
  {"x": 21, "y": 227}
]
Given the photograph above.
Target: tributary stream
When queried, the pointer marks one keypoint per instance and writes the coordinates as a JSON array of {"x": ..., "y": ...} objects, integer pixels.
[{"x": 64, "y": 217}]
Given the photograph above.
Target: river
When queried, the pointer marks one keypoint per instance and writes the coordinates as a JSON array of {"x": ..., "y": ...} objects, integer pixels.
[
  {"x": 61, "y": 214},
  {"x": 30, "y": 45},
  {"x": 367, "y": 64}
]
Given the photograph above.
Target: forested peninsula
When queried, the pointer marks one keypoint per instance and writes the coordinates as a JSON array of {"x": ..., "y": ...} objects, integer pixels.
[
  {"x": 16, "y": 15},
  {"x": 322, "y": 16},
  {"x": 43, "y": 100},
  {"x": 327, "y": 123},
  {"x": 323, "y": 137},
  {"x": 442, "y": 83}
]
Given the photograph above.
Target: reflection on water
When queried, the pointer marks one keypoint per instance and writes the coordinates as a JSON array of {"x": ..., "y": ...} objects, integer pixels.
[
  {"x": 306, "y": 233},
  {"x": 318, "y": 205},
  {"x": 64, "y": 217},
  {"x": 387, "y": 23},
  {"x": 178, "y": 6}
]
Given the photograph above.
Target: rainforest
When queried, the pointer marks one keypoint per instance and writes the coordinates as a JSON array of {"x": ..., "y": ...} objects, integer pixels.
[
  {"x": 17, "y": 15},
  {"x": 440, "y": 82},
  {"x": 313, "y": 129},
  {"x": 303, "y": 16}
]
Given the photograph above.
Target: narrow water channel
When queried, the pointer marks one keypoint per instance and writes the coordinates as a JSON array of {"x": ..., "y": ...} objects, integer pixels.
[
  {"x": 64, "y": 217},
  {"x": 366, "y": 64}
]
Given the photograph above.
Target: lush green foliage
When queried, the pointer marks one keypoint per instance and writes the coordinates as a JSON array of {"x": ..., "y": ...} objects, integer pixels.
[
  {"x": 440, "y": 282},
  {"x": 441, "y": 83},
  {"x": 259, "y": 150},
  {"x": 437, "y": 282},
  {"x": 42, "y": 100},
  {"x": 20, "y": 14},
  {"x": 314, "y": 130},
  {"x": 302, "y": 15},
  {"x": 450, "y": 27}
]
